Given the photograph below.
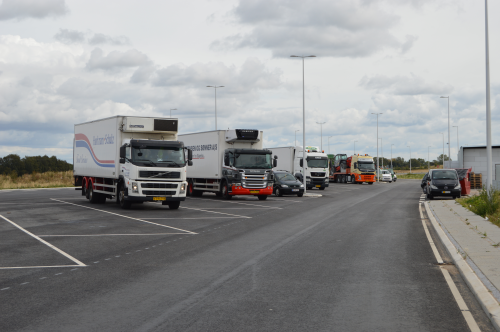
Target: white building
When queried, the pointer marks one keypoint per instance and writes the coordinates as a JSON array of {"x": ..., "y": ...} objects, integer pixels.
[{"x": 475, "y": 157}]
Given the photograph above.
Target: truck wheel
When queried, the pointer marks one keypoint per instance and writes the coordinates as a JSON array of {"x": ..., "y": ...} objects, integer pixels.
[
  {"x": 262, "y": 197},
  {"x": 225, "y": 191},
  {"x": 321, "y": 188},
  {"x": 174, "y": 205},
  {"x": 93, "y": 197},
  {"x": 102, "y": 198},
  {"x": 278, "y": 192},
  {"x": 370, "y": 182},
  {"x": 190, "y": 188},
  {"x": 121, "y": 198}
]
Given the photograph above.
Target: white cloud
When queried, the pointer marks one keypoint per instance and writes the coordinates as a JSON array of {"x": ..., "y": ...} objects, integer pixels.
[
  {"x": 22, "y": 9},
  {"x": 404, "y": 85},
  {"x": 116, "y": 59}
]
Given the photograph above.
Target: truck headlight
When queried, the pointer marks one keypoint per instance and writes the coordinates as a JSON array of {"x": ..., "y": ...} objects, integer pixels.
[
  {"x": 183, "y": 189},
  {"x": 326, "y": 181},
  {"x": 135, "y": 188}
]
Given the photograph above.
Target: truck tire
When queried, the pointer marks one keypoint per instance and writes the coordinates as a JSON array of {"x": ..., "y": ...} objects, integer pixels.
[
  {"x": 121, "y": 198},
  {"x": 262, "y": 197},
  {"x": 225, "y": 191},
  {"x": 370, "y": 182},
  {"x": 92, "y": 196},
  {"x": 189, "y": 188},
  {"x": 173, "y": 205},
  {"x": 321, "y": 188},
  {"x": 278, "y": 192},
  {"x": 102, "y": 198}
]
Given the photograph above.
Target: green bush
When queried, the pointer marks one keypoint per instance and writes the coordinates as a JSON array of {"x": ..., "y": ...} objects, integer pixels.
[{"x": 484, "y": 205}]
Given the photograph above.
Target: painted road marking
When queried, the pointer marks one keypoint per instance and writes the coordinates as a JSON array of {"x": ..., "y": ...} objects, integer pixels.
[
  {"x": 228, "y": 214},
  {"x": 121, "y": 215},
  {"x": 36, "y": 267},
  {"x": 471, "y": 322},
  {"x": 90, "y": 235},
  {"x": 264, "y": 206},
  {"x": 45, "y": 242}
]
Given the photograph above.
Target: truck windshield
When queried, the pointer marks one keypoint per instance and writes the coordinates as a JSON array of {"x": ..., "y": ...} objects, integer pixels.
[
  {"x": 261, "y": 161},
  {"x": 317, "y": 163},
  {"x": 154, "y": 155},
  {"x": 366, "y": 166}
]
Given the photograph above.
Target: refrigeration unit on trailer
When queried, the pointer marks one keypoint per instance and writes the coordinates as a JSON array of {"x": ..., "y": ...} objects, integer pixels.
[
  {"x": 228, "y": 163},
  {"x": 353, "y": 169},
  {"x": 133, "y": 159},
  {"x": 290, "y": 160}
]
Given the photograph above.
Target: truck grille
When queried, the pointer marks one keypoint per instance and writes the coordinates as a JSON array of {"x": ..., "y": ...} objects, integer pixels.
[
  {"x": 317, "y": 181},
  {"x": 157, "y": 174},
  {"x": 158, "y": 193},
  {"x": 254, "y": 181},
  {"x": 318, "y": 174},
  {"x": 159, "y": 185}
]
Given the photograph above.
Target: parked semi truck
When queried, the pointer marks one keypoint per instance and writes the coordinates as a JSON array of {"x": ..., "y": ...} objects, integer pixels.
[
  {"x": 290, "y": 160},
  {"x": 229, "y": 163},
  {"x": 132, "y": 159},
  {"x": 353, "y": 169}
]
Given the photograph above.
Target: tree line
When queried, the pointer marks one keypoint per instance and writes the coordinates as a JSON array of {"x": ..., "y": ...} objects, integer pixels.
[
  {"x": 14, "y": 165},
  {"x": 400, "y": 163}
]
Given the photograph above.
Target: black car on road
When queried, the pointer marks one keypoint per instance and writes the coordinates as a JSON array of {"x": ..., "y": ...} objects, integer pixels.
[
  {"x": 443, "y": 182},
  {"x": 286, "y": 184}
]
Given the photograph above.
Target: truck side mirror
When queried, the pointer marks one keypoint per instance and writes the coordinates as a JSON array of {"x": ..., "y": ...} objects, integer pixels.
[
  {"x": 122, "y": 151},
  {"x": 301, "y": 162},
  {"x": 226, "y": 160},
  {"x": 275, "y": 157},
  {"x": 190, "y": 155},
  {"x": 190, "y": 163},
  {"x": 122, "y": 160},
  {"x": 275, "y": 162},
  {"x": 355, "y": 165}
]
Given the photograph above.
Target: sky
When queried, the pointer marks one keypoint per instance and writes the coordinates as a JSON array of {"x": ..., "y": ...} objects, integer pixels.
[{"x": 64, "y": 62}]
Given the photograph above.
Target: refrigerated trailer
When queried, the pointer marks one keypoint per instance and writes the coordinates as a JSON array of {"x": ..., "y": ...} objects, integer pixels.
[
  {"x": 290, "y": 160},
  {"x": 229, "y": 163},
  {"x": 132, "y": 159}
]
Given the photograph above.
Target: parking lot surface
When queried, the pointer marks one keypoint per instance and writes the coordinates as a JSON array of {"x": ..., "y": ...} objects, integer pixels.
[{"x": 355, "y": 259}]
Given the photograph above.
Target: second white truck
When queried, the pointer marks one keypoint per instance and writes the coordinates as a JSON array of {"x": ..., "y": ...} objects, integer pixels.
[{"x": 290, "y": 160}]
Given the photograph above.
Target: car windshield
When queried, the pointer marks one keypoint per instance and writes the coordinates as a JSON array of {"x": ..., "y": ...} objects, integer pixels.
[
  {"x": 257, "y": 161},
  {"x": 385, "y": 172},
  {"x": 444, "y": 175},
  {"x": 317, "y": 163},
  {"x": 153, "y": 155},
  {"x": 366, "y": 166},
  {"x": 285, "y": 177}
]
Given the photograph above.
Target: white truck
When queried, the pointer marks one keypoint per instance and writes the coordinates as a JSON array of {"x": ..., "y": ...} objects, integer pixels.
[
  {"x": 290, "y": 160},
  {"x": 228, "y": 163},
  {"x": 134, "y": 159}
]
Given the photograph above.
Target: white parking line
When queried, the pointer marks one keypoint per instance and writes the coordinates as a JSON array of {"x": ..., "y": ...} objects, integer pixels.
[
  {"x": 76, "y": 235},
  {"x": 121, "y": 215},
  {"x": 37, "y": 267},
  {"x": 45, "y": 242},
  {"x": 229, "y": 214},
  {"x": 233, "y": 202}
]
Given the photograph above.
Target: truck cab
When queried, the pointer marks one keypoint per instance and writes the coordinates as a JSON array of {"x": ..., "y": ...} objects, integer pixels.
[{"x": 317, "y": 173}]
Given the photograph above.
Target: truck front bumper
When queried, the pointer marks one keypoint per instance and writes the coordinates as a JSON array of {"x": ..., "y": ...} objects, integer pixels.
[
  {"x": 152, "y": 199},
  {"x": 317, "y": 183},
  {"x": 238, "y": 190}
]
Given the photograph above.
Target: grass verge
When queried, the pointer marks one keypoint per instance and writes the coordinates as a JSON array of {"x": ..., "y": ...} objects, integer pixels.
[
  {"x": 37, "y": 180},
  {"x": 487, "y": 206},
  {"x": 411, "y": 176}
]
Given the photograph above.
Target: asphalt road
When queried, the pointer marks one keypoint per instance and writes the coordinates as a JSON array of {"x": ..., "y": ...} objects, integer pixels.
[{"x": 356, "y": 259}]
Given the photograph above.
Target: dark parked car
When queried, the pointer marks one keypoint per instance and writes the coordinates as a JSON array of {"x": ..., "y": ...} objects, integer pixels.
[
  {"x": 424, "y": 182},
  {"x": 286, "y": 184},
  {"x": 443, "y": 182}
]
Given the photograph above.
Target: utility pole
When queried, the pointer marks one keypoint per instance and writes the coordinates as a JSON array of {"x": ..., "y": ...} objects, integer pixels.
[
  {"x": 391, "y": 156},
  {"x": 321, "y": 126},
  {"x": 449, "y": 148},
  {"x": 443, "y": 148},
  {"x": 489, "y": 154},
  {"x": 215, "y": 89},
  {"x": 377, "y": 149},
  {"x": 428, "y": 160}
]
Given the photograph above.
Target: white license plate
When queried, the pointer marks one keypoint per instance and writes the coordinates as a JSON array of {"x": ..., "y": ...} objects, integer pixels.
[
  {"x": 446, "y": 192},
  {"x": 295, "y": 190}
]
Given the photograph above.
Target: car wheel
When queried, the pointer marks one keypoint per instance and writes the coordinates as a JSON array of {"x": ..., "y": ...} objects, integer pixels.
[
  {"x": 321, "y": 188},
  {"x": 300, "y": 195},
  {"x": 278, "y": 192}
]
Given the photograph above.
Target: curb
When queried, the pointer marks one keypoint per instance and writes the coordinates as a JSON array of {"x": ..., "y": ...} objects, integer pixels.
[{"x": 489, "y": 304}]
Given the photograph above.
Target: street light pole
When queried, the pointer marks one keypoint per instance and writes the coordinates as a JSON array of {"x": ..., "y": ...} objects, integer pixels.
[
  {"x": 449, "y": 151},
  {"x": 329, "y": 144},
  {"x": 304, "y": 180},
  {"x": 458, "y": 145},
  {"x": 489, "y": 154},
  {"x": 355, "y": 147},
  {"x": 321, "y": 126},
  {"x": 296, "y": 136},
  {"x": 391, "y": 157},
  {"x": 377, "y": 149},
  {"x": 443, "y": 148},
  {"x": 428, "y": 160},
  {"x": 410, "y": 159},
  {"x": 215, "y": 89},
  {"x": 172, "y": 109},
  {"x": 382, "y": 151}
]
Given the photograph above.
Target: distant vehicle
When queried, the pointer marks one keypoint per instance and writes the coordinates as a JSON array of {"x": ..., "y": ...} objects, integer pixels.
[
  {"x": 443, "y": 182},
  {"x": 353, "y": 169},
  {"x": 385, "y": 176},
  {"x": 394, "y": 176},
  {"x": 287, "y": 184}
]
